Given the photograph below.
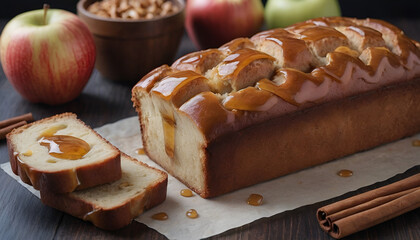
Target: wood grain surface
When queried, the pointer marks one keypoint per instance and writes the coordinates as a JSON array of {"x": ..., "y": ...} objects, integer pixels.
[{"x": 23, "y": 216}]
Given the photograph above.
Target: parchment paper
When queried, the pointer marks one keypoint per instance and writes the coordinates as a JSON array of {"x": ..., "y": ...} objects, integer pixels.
[{"x": 285, "y": 193}]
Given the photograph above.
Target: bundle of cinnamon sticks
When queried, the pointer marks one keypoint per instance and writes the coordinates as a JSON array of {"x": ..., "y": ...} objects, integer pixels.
[
  {"x": 8, "y": 125},
  {"x": 365, "y": 210}
]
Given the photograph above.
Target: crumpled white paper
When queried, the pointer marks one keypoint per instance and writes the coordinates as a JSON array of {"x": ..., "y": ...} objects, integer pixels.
[{"x": 305, "y": 187}]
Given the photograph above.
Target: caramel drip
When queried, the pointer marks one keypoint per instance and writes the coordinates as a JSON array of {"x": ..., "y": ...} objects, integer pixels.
[
  {"x": 197, "y": 108},
  {"x": 360, "y": 37},
  {"x": 233, "y": 64},
  {"x": 298, "y": 27},
  {"x": 335, "y": 68},
  {"x": 292, "y": 47},
  {"x": 255, "y": 199},
  {"x": 278, "y": 33},
  {"x": 416, "y": 143},
  {"x": 65, "y": 147},
  {"x": 148, "y": 81},
  {"x": 345, "y": 173},
  {"x": 323, "y": 22},
  {"x": 168, "y": 124},
  {"x": 140, "y": 151},
  {"x": 170, "y": 85},
  {"x": 377, "y": 54},
  {"x": 192, "y": 213},
  {"x": 192, "y": 59},
  {"x": 294, "y": 52},
  {"x": 236, "y": 44},
  {"x": 52, "y": 130},
  {"x": 347, "y": 50},
  {"x": 332, "y": 22},
  {"x": 186, "y": 193},
  {"x": 199, "y": 62},
  {"x": 250, "y": 99},
  {"x": 319, "y": 32},
  {"x": 394, "y": 36},
  {"x": 290, "y": 84},
  {"x": 365, "y": 31},
  {"x": 160, "y": 216}
]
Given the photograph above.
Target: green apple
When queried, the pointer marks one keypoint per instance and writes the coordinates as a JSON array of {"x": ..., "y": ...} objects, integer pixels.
[{"x": 282, "y": 13}]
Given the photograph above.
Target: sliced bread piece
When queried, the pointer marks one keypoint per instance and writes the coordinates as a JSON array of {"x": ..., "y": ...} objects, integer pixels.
[
  {"x": 114, "y": 205},
  {"x": 62, "y": 154}
]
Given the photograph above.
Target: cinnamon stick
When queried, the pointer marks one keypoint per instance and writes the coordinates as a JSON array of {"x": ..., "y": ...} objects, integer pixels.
[
  {"x": 4, "y": 131},
  {"x": 365, "y": 210},
  {"x": 25, "y": 117}
]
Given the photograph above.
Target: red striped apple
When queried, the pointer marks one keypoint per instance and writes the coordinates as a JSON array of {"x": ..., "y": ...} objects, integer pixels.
[
  {"x": 212, "y": 23},
  {"x": 47, "y": 55}
]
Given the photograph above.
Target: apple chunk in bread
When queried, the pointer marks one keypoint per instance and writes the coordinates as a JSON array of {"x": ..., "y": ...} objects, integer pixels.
[
  {"x": 162, "y": 133},
  {"x": 175, "y": 89}
]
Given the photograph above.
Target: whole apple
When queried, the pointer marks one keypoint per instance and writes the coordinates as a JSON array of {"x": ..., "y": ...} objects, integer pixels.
[
  {"x": 47, "y": 55},
  {"x": 282, "y": 13},
  {"x": 212, "y": 23}
]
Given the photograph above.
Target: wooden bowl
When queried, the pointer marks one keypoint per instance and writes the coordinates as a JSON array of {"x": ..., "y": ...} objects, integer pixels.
[{"x": 126, "y": 50}]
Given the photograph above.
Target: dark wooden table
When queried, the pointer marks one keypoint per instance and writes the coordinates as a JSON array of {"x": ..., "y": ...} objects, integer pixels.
[{"x": 23, "y": 216}]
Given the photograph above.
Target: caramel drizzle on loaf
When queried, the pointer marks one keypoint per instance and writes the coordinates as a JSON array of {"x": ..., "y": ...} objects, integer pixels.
[{"x": 283, "y": 70}]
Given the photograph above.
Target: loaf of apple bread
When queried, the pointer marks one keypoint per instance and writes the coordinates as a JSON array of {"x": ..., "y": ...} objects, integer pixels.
[{"x": 280, "y": 101}]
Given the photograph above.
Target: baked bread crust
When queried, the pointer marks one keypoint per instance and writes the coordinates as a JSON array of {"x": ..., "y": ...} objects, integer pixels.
[
  {"x": 307, "y": 138},
  {"x": 105, "y": 169},
  {"x": 247, "y": 129},
  {"x": 120, "y": 214}
]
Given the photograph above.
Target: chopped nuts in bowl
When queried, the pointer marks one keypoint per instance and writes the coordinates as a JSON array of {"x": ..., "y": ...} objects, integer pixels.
[
  {"x": 133, "y": 37},
  {"x": 133, "y": 9}
]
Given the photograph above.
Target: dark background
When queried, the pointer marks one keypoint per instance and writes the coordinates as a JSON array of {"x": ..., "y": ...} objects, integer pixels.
[{"x": 350, "y": 8}]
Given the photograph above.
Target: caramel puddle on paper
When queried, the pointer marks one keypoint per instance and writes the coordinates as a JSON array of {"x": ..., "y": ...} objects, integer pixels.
[
  {"x": 140, "y": 151},
  {"x": 255, "y": 199},
  {"x": 192, "y": 213},
  {"x": 416, "y": 143},
  {"x": 186, "y": 193},
  {"x": 160, "y": 216},
  {"x": 345, "y": 173}
]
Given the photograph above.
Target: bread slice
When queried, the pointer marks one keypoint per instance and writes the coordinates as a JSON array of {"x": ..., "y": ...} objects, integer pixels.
[
  {"x": 97, "y": 163},
  {"x": 114, "y": 205}
]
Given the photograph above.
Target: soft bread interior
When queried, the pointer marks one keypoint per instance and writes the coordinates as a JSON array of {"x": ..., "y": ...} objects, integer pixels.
[
  {"x": 186, "y": 163},
  {"x": 136, "y": 179},
  {"x": 30, "y": 151}
]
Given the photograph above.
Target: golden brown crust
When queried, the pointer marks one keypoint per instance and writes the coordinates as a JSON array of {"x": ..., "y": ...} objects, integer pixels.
[
  {"x": 69, "y": 180},
  {"x": 303, "y": 139},
  {"x": 117, "y": 216},
  {"x": 322, "y": 40}
]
